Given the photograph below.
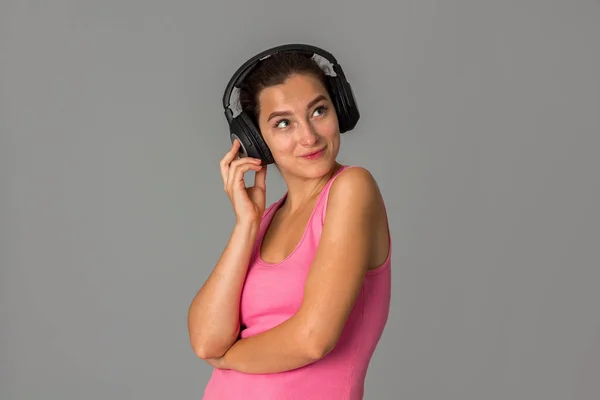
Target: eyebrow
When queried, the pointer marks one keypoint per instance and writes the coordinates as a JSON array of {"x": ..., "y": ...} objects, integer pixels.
[{"x": 286, "y": 113}]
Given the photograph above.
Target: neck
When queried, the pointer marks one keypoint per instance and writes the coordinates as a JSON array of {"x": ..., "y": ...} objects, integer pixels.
[{"x": 303, "y": 191}]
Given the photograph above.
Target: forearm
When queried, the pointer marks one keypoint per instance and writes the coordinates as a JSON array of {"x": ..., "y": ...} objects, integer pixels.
[
  {"x": 213, "y": 317},
  {"x": 282, "y": 348}
]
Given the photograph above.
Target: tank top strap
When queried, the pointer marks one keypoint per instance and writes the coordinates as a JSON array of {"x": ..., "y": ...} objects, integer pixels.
[
  {"x": 264, "y": 223},
  {"x": 315, "y": 222},
  {"x": 271, "y": 208},
  {"x": 324, "y": 197}
]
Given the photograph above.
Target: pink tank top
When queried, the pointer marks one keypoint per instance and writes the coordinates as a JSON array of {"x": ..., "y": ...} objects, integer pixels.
[{"x": 272, "y": 293}]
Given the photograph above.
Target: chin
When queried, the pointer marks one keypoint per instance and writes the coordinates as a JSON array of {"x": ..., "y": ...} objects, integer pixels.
[
  {"x": 311, "y": 168},
  {"x": 315, "y": 168},
  {"x": 315, "y": 172}
]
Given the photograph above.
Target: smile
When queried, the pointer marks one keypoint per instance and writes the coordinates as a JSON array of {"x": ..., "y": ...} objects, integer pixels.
[{"x": 314, "y": 155}]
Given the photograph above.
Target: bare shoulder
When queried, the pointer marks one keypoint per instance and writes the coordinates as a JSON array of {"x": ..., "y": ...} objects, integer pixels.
[
  {"x": 355, "y": 185},
  {"x": 355, "y": 194},
  {"x": 356, "y": 208}
]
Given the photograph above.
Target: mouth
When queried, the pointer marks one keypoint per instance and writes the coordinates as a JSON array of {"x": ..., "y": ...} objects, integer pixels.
[{"x": 314, "y": 154}]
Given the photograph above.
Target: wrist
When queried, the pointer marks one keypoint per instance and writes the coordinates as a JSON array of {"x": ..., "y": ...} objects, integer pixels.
[
  {"x": 247, "y": 225},
  {"x": 226, "y": 361}
]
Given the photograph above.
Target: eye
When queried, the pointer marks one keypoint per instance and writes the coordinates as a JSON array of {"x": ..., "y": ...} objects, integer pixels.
[
  {"x": 279, "y": 122},
  {"x": 322, "y": 108}
]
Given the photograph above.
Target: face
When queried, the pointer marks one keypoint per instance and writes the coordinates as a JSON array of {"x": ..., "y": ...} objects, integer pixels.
[{"x": 297, "y": 119}]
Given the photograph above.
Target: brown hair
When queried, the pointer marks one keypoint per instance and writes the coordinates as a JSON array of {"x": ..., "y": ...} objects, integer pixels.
[{"x": 274, "y": 71}]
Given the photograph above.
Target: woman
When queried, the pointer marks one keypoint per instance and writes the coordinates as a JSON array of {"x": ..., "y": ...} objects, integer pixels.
[{"x": 298, "y": 300}]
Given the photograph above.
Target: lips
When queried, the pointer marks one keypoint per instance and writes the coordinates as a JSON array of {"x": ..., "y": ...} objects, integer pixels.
[{"x": 313, "y": 153}]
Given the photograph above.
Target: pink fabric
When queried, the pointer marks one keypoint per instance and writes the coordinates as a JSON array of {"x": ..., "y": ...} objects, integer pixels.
[{"x": 273, "y": 293}]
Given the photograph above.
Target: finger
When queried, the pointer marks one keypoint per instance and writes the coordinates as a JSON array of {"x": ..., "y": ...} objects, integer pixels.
[
  {"x": 235, "y": 146},
  {"x": 225, "y": 162},
  {"x": 224, "y": 168},
  {"x": 232, "y": 152},
  {"x": 236, "y": 163},
  {"x": 239, "y": 174},
  {"x": 244, "y": 160},
  {"x": 224, "y": 165},
  {"x": 234, "y": 166},
  {"x": 260, "y": 178}
]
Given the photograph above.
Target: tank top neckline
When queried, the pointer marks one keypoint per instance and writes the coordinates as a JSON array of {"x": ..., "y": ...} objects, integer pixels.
[{"x": 271, "y": 213}]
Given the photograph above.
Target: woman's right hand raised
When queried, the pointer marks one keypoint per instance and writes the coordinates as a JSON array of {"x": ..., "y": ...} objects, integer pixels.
[{"x": 248, "y": 202}]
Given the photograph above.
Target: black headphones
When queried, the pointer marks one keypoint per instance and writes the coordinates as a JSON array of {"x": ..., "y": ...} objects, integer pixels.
[{"x": 241, "y": 126}]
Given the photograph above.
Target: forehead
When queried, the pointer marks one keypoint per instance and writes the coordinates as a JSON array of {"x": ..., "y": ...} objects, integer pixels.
[{"x": 295, "y": 92}]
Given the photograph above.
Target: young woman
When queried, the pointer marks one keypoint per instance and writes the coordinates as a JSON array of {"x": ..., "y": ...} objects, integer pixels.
[{"x": 299, "y": 299}]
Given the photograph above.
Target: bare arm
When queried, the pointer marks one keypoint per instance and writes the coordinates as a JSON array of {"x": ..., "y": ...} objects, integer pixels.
[
  {"x": 336, "y": 275},
  {"x": 213, "y": 317}
]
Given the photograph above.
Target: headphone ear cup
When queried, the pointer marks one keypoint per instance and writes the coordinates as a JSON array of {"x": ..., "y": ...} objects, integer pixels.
[
  {"x": 347, "y": 104},
  {"x": 336, "y": 97},
  {"x": 239, "y": 131},
  {"x": 351, "y": 106},
  {"x": 256, "y": 147}
]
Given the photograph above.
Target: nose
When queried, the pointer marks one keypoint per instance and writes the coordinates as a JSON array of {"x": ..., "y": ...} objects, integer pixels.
[{"x": 307, "y": 134}]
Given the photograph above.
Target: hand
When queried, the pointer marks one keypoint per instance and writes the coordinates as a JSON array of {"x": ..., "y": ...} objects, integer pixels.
[
  {"x": 215, "y": 362},
  {"x": 248, "y": 203},
  {"x": 218, "y": 362}
]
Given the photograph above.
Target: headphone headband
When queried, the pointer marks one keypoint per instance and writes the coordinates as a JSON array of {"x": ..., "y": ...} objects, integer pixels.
[
  {"x": 249, "y": 65},
  {"x": 243, "y": 128}
]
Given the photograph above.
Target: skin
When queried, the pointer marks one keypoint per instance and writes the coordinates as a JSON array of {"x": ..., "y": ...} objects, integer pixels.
[
  {"x": 355, "y": 233},
  {"x": 305, "y": 127}
]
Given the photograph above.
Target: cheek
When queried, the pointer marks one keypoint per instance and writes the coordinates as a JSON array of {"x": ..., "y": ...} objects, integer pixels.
[
  {"x": 331, "y": 128},
  {"x": 280, "y": 145}
]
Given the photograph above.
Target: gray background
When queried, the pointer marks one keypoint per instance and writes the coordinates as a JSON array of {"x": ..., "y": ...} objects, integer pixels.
[{"x": 479, "y": 120}]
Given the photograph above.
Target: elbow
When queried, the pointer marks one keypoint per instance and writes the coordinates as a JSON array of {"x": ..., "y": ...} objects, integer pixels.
[
  {"x": 210, "y": 348},
  {"x": 206, "y": 351},
  {"x": 212, "y": 344},
  {"x": 316, "y": 339},
  {"x": 318, "y": 347}
]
